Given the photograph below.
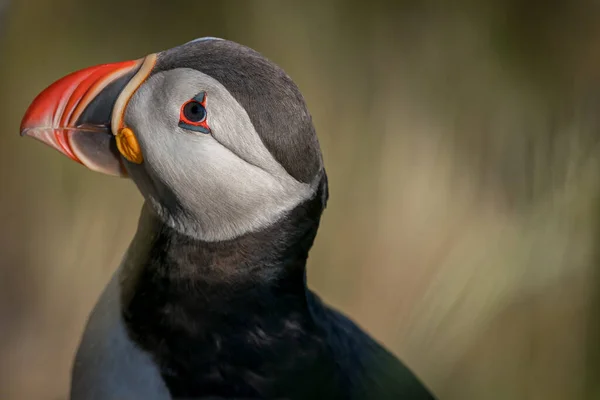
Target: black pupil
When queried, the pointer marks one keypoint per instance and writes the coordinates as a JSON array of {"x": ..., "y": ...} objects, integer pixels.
[{"x": 194, "y": 111}]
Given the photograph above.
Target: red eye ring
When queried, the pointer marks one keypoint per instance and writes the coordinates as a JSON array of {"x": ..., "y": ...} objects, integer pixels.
[{"x": 193, "y": 114}]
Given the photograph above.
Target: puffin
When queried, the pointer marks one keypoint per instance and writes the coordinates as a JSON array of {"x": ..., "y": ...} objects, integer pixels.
[{"x": 211, "y": 300}]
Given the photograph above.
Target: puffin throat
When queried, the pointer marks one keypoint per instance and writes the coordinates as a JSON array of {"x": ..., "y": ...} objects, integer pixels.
[{"x": 208, "y": 296}]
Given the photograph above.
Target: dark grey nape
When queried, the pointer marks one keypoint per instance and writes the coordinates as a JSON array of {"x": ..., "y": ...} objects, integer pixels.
[{"x": 269, "y": 96}]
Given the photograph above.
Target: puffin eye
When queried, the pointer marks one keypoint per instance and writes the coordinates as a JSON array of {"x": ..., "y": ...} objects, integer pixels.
[
  {"x": 193, "y": 114},
  {"x": 194, "y": 111}
]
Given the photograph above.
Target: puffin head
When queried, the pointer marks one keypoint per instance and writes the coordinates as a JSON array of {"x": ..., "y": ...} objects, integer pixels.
[{"x": 217, "y": 138}]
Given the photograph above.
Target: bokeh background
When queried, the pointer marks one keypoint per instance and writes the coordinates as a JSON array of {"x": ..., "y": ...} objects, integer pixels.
[{"x": 462, "y": 145}]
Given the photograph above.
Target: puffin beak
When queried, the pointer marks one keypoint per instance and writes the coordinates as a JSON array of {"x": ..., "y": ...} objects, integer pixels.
[{"x": 76, "y": 114}]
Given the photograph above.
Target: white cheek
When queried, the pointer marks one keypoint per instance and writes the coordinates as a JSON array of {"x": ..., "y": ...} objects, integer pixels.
[
  {"x": 225, "y": 184},
  {"x": 226, "y": 195},
  {"x": 211, "y": 173}
]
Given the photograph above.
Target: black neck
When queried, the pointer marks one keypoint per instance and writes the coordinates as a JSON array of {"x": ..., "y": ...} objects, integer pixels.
[{"x": 216, "y": 313}]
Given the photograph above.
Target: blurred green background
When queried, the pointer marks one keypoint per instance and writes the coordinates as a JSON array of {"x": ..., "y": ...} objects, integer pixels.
[{"x": 461, "y": 142}]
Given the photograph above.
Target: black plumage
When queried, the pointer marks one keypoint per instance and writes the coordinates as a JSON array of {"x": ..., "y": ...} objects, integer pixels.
[{"x": 235, "y": 319}]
